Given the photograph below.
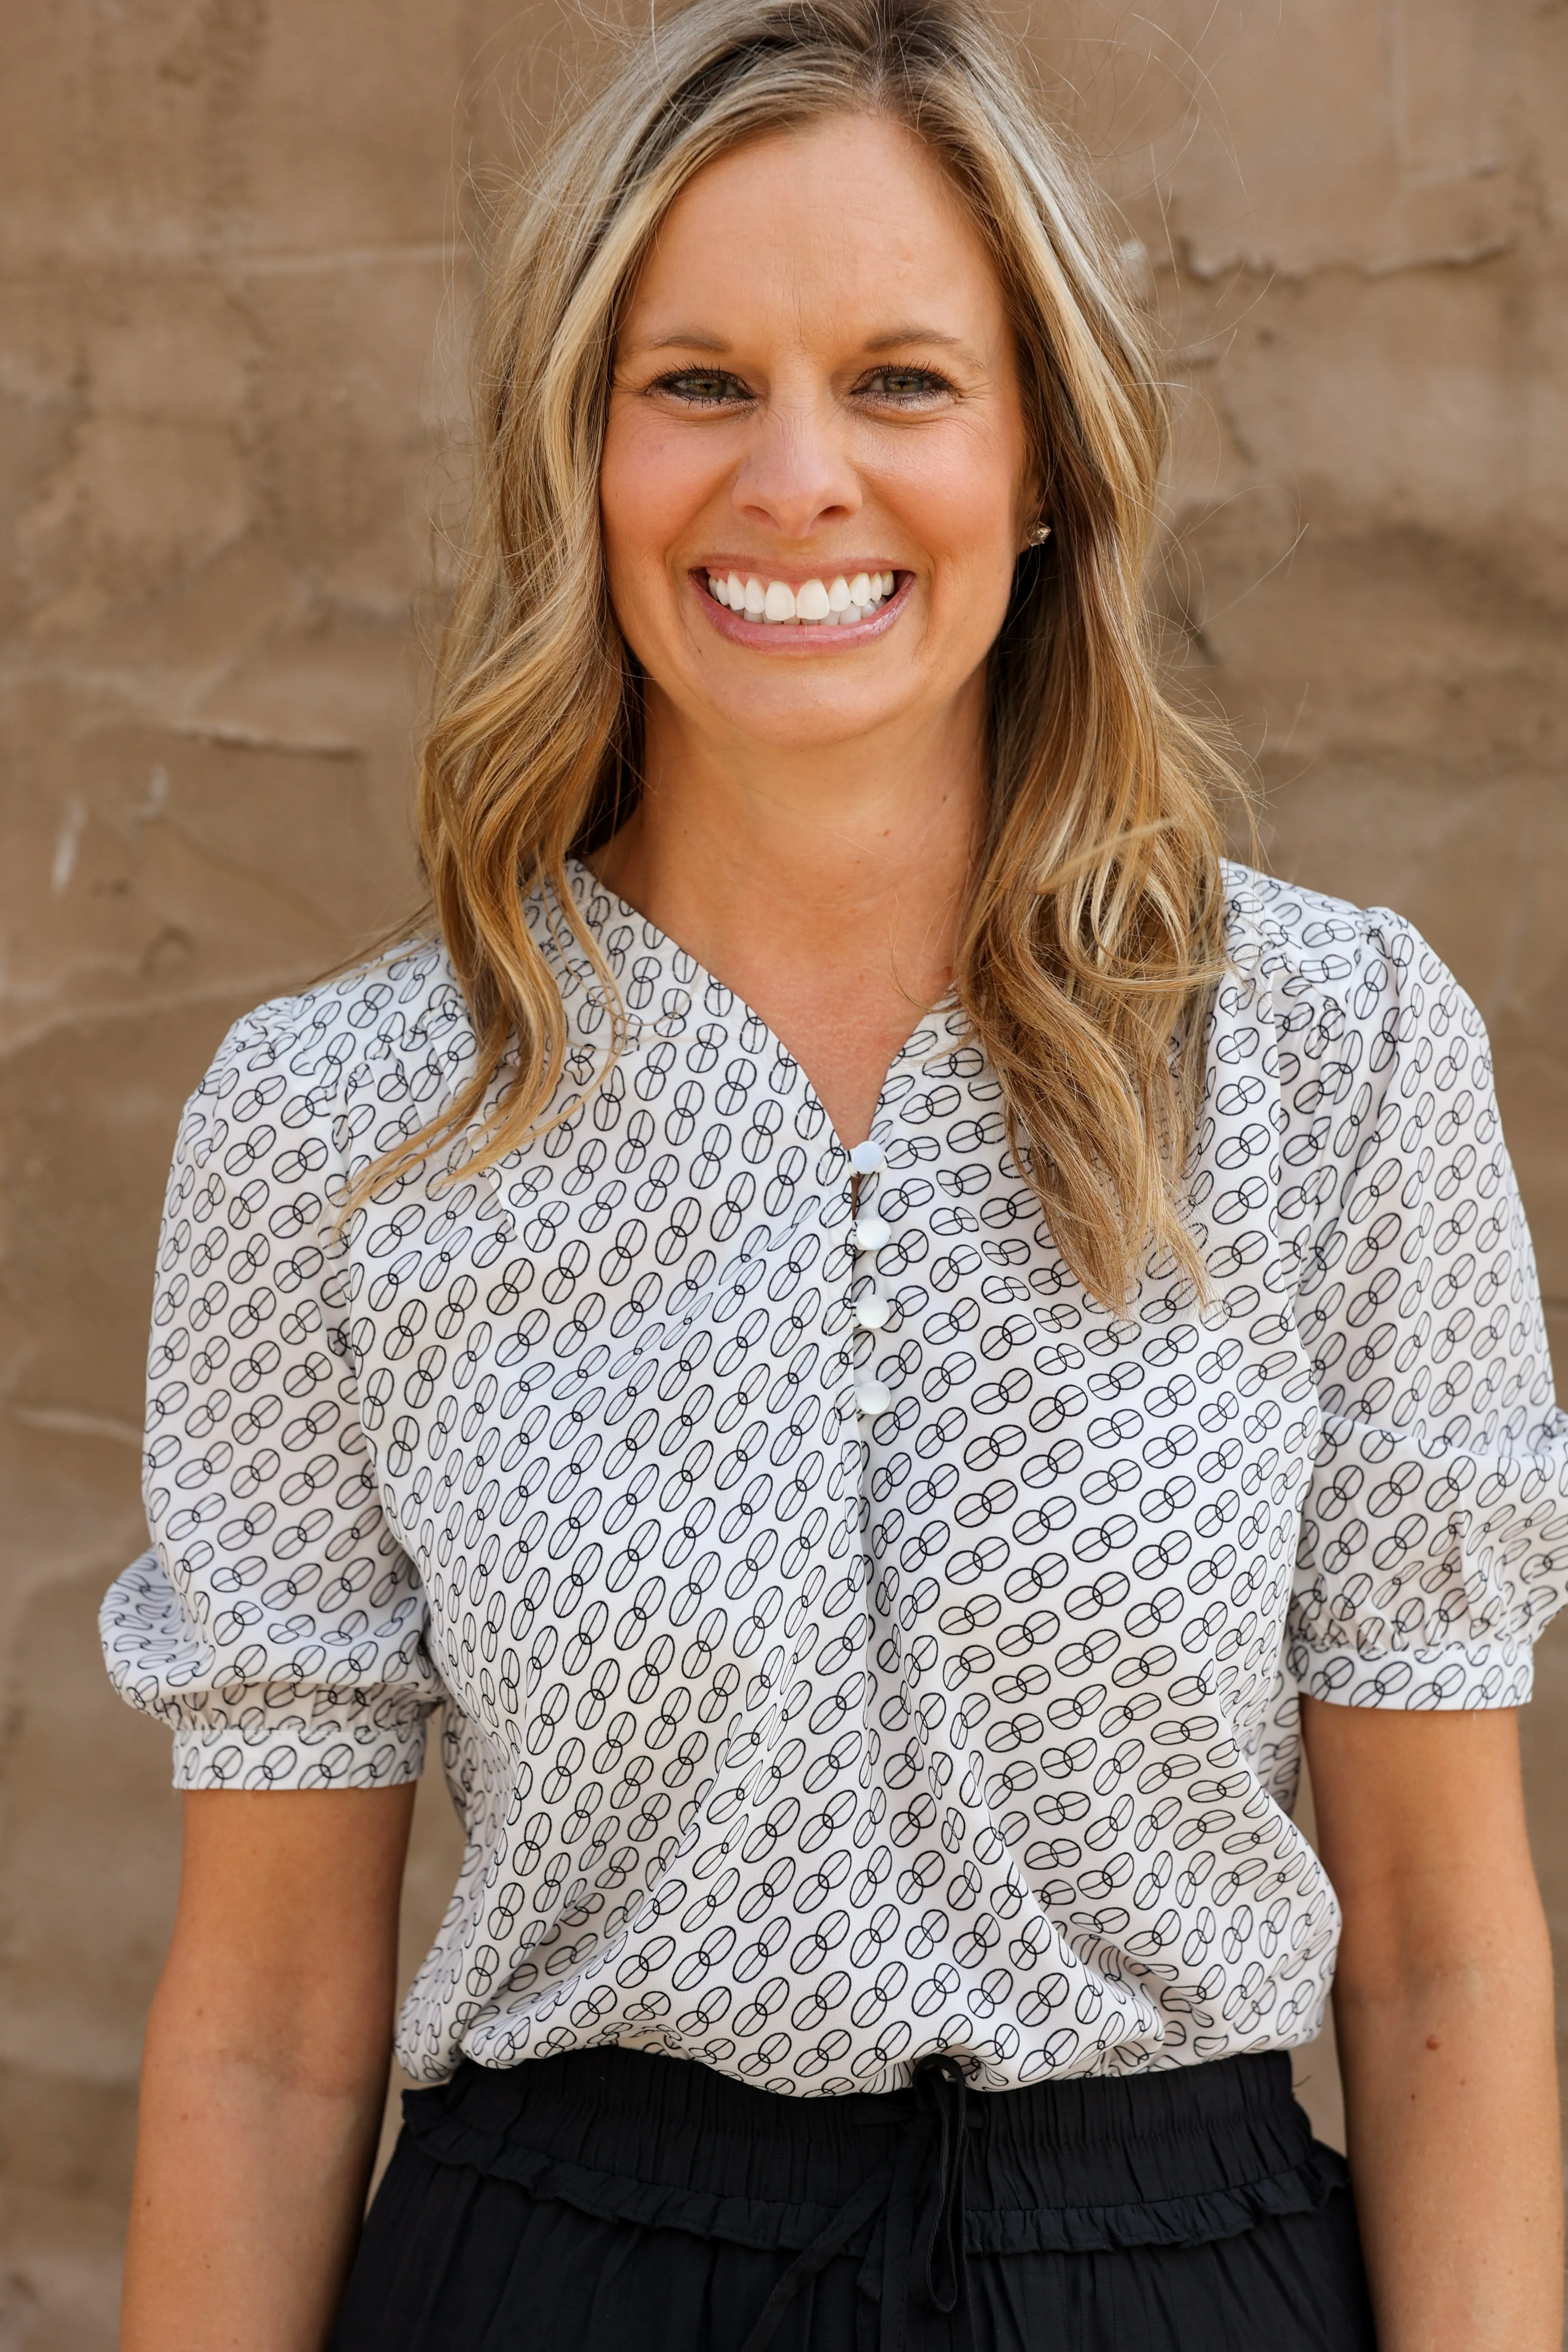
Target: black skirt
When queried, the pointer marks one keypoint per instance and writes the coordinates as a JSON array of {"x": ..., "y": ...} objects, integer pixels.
[{"x": 609, "y": 2200}]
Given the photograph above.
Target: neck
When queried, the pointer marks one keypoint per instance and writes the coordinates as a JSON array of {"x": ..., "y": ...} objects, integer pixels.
[{"x": 848, "y": 861}]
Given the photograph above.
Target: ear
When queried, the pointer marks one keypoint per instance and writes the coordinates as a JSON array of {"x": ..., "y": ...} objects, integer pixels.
[{"x": 1032, "y": 510}]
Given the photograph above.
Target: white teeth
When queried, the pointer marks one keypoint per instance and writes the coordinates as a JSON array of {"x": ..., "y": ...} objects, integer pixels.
[{"x": 840, "y": 601}]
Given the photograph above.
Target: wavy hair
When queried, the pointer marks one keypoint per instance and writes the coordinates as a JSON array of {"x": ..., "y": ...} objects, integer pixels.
[{"x": 1093, "y": 928}]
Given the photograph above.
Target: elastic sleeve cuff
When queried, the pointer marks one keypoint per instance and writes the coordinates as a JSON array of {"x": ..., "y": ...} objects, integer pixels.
[
  {"x": 1473, "y": 1675},
  {"x": 380, "y": 1747}
]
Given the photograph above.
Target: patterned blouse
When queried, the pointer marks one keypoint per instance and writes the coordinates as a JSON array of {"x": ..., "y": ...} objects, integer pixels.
[{"x": 852, "y": 1640}]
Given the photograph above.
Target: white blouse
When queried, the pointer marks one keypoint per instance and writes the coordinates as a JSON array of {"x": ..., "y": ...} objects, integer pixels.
[{"x": 854, "y": 1641}]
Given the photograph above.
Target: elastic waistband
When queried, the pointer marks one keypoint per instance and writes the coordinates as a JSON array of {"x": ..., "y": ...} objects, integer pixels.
[{"x": 1186, "y": 2155}]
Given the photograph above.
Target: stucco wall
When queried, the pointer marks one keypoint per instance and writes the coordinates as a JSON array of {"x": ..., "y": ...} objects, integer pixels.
[{"x": 231, "y": 243}]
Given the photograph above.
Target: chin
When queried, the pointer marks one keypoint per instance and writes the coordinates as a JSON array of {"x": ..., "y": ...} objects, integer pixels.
[
  {"x": 801, "y": 714},
  {"x": 808, "y": 731}
]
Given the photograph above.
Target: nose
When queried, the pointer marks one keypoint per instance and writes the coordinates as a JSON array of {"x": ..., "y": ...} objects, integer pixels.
[{"x": 796, "y": 476}]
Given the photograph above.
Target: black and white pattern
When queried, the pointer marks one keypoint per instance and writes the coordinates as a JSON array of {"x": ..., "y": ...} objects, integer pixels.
[{"x": 829, "y": 1682}]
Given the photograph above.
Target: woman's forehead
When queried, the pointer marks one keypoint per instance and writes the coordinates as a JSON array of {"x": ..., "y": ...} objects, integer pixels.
[{"x": 849, "y": 224}]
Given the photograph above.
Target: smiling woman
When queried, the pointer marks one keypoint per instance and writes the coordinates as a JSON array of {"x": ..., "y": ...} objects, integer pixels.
[
  {"x": 885, "y": 1334},
  {"x": 943, "y": 375},
  {"x": 852, "y": 452}
]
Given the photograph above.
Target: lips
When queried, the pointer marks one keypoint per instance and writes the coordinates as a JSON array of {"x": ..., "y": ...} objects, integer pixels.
[{"x": 750, "y": 607}]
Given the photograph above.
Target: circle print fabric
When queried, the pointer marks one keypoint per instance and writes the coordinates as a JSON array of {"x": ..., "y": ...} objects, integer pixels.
[{"x": 853, "y": 1640}]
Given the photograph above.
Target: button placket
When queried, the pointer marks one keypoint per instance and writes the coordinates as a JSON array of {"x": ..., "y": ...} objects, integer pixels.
[{"x": 872, "y": 1308}]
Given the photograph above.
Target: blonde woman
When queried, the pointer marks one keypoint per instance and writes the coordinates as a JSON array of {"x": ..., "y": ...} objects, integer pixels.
[{"x": 885, "y": 1334}]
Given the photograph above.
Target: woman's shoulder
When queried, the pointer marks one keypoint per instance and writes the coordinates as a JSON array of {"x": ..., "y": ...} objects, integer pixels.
[
  {"x": 1282, "y": 930},
  {"x": 394, "y": 1025},
  {"x": 1324, "y": 965}
]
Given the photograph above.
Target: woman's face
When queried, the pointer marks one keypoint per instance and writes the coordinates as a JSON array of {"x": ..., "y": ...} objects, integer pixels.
[{"x": 815, "y": 391}]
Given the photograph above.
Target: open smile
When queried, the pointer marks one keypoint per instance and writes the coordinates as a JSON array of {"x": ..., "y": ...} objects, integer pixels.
[{"x": 822, "y": 613}]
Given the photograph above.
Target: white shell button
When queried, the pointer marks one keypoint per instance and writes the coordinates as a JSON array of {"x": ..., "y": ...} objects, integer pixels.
[
  {"x": 871, "y": 1231},
  {"x": 870, "y": 1396},
  {"x": 868, "y": 1158}
]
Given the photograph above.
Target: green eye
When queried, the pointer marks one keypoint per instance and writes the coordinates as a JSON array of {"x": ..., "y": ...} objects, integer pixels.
[
  {"x": 905, "y": 387},
  {"x": 702, "y": 387}
]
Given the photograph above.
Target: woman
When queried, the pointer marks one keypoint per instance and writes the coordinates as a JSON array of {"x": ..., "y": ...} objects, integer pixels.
[{"x": 883, "y": 1333}]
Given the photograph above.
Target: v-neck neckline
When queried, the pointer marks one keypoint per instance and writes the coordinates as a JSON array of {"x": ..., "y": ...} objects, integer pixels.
[{"x": 660, "y": 941}]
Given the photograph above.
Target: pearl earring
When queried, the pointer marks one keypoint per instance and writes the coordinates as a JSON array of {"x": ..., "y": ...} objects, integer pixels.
[{"x": 1038, "y": 536}]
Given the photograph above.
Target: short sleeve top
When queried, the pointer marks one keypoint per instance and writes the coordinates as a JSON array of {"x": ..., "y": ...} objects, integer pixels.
[{"x": 853, "y": 1640}]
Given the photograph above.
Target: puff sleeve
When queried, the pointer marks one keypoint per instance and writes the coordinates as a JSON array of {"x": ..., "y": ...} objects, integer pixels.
[
  {"x": 276, "y": 1625},
  {"x": 1435, "y": 1530}
]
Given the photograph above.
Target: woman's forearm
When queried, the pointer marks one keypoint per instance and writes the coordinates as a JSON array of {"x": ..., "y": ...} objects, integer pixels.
[
  {"x": 249, "y": 2186},
  {"x": 1451, "y": 2103},
  {"x": 265, "y": 2070},
  {"x": 1444, "y": 2009}
]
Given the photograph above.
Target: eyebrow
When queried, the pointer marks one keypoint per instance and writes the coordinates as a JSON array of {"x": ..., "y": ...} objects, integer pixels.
[
  {"x": 694, "y": 340},
  {"x": 913, "y": 334},
  {"x": 682, "y": 341}
]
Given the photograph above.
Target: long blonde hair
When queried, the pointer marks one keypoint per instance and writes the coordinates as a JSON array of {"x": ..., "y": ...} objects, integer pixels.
[{"x": 1093, "y": 928}]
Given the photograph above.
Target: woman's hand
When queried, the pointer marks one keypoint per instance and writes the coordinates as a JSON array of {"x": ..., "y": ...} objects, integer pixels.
[
  {"x": 1443, "y": 2007},
  {"x": 265, "y": 2070}
]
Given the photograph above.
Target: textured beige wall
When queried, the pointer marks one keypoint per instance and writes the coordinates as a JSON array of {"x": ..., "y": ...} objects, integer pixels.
[{"x": 230, "y": 243}]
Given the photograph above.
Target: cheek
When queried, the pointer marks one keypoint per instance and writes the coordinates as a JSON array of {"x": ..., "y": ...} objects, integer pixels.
[
  {"x": 960, "y": 499},
  {"x": 651, "y": 487}
]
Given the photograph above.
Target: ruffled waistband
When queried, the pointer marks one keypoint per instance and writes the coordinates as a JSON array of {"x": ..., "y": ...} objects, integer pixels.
[{"x": 1179, "y": 2157}]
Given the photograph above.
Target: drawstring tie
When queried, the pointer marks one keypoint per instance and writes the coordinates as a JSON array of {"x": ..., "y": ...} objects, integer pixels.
[{"x": 932, "y": 2142}]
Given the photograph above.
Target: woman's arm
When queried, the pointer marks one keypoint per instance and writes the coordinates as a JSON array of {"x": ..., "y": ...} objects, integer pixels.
[
  {"x": 1444, "y": 2014},
  {"x": 265, "y": 2069}
]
